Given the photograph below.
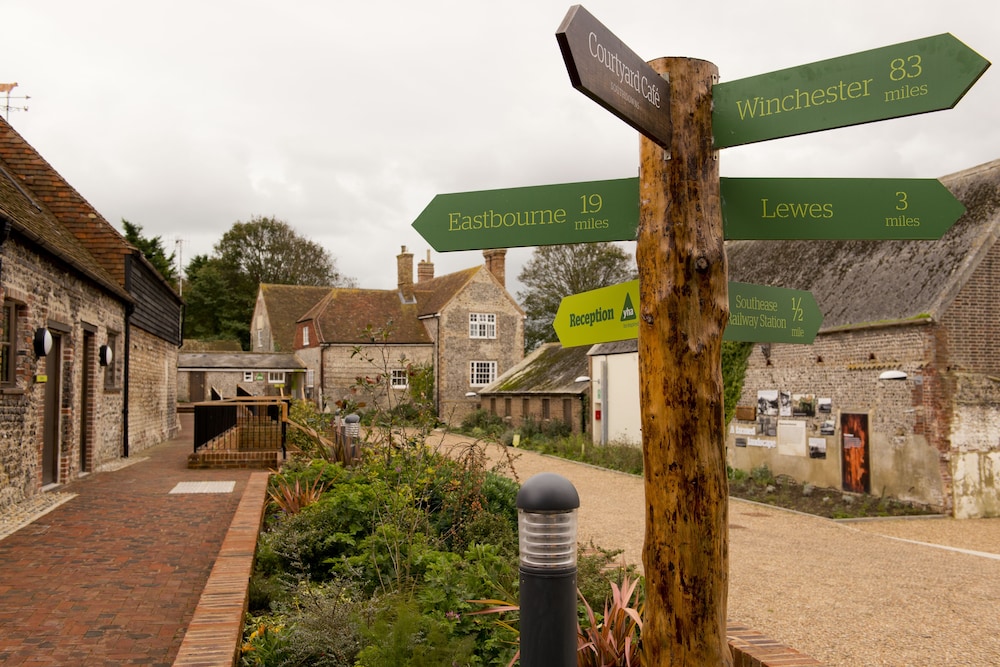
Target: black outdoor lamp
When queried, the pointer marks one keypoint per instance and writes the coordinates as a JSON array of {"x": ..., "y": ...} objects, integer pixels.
[
  {"x": 42, "y": 342},
  {"x": 105, "y": 355},
  {"x": 547, "y": 507}
]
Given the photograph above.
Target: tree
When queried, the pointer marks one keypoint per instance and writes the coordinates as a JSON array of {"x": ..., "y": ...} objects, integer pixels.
[
  {"x": 557, "y": 271},
  {"x": 222, "y": 288},
  {"x": 153, "y": 250},
  {"x": 268, "y": 250}
]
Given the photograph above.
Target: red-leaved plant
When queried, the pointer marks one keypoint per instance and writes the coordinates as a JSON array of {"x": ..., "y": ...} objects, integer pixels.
[{"x": 612, "y": 641}]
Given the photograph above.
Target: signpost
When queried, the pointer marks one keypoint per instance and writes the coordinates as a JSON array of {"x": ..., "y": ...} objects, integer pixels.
[
  {"x": 608, "y": 72},
  {"x": 901, "y": 80},
  {"x": 837, "y": 208},
  {"x": 532, "y": 216},
  {"x": 757, "y": 314}
]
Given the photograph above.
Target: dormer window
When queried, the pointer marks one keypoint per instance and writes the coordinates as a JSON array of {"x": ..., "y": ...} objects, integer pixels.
[{"x": 305, "y": 335}]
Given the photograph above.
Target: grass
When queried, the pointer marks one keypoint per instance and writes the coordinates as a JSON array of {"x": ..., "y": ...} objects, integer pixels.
[{"x": 759, "y": 485}]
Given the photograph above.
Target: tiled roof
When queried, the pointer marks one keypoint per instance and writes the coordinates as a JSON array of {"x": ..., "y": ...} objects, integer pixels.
[
  {"x": 32, "y": 172},
  {"x": 238, "y": 361},
  {"x": 345, "y": 313},
  {"x": 434, "y": 294},
  {"x": 31, "y": 217},
  {"x": 285, "y": 304},
  {"x": 865, "y": 282},
  {"x": 549, "y": 369}
]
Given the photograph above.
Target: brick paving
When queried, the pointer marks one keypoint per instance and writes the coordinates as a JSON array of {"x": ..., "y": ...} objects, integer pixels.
[{"x": 113, "y": 575}]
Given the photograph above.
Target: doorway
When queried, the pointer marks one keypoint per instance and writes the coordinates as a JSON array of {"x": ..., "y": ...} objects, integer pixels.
[
  {"x": 87, "y": 402},
  {"x": 53, "y": 412}
]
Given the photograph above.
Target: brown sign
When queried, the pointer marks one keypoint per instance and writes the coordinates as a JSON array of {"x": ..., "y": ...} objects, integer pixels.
[{"x": 608, "y": 72}]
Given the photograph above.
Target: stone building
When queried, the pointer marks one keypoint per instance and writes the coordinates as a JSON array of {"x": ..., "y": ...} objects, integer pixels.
[
  {"x": 89, "y": 334},
  {"x": 549, "y": 385},
  {"x": 924, "y": 312},
  {"x": 465, "y": 325}
]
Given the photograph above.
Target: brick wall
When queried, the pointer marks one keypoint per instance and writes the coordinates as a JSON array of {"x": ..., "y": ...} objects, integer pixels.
[
  {"x": 908, "y": 445},
  {"x": 152, "y": 390},
  {"x": 49, "y": 296},
  {"x": 972, "y": 319}
]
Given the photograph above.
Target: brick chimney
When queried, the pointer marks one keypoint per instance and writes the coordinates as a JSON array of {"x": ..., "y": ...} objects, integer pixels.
[
  {"x": 425, "y": 270},
  {"x": 495, "y": 261},
  {"x": 404, "y": 273}
]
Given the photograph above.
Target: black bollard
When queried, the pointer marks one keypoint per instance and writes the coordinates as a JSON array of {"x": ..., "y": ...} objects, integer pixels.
[{"x": 547, "y": 516}]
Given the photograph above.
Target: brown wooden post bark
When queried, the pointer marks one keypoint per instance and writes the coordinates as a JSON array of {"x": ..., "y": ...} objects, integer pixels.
[{"x": 684, "y": 307}]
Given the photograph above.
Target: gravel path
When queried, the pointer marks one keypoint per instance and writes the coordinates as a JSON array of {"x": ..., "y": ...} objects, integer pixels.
[{"x": 886, "y": 592}]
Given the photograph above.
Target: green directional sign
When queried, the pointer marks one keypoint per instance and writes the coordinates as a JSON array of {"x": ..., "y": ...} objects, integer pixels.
[
  {"x": 901, "y": 80},
  {"x": 599, "y": 316},
  {"x": 761, "y": 314},
  {"x": 756, "y": 313},
  {"x": 532, "y": 216},
  {"x": 837, "y": 208}
]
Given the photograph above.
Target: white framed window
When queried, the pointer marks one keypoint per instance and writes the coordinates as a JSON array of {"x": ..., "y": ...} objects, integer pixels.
[
  {"x": 481, "y": 373},
  {"x": 305, "y": 335},
  {"x": 482, "y": 325},
  {"x": 260, "y": 338},
  {"x": 248, "y": 376},
  {"x": 399, "y": 378},
  {"x": 275, "y": 377}
]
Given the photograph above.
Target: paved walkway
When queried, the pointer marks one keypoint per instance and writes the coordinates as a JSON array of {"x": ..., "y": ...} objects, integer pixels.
[{"x": 112, "y": 575}]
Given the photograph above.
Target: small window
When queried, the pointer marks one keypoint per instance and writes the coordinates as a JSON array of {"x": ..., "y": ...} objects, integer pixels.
[
  {"x": 305, "y": 335},
  {"x": 275, "y": 377},
  {"x": 506, "y": 407},
  {"x": 482, "y": 325},
  {"x": 399, "y": 378},
  {"x": 248, "y": 376},
  {"x": 545, "y": 408},
  {"x": 8, "y": 345},
  {"x": 481, "y": 373},
  {"x": 260, "y": 339},
  {"x": 111, "y": 370}
]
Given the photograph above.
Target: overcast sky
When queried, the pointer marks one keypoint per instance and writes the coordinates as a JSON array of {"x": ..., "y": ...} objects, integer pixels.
[{"x": 344, "y": 119}]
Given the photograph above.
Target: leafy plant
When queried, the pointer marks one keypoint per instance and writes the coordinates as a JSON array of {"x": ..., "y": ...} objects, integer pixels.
[
  {"x": 291, "y": 498},
  {"x": 613, "y": 640}
]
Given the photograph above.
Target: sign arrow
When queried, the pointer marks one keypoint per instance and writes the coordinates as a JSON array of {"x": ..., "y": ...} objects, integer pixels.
[
  {"x": 910, "y": 78},
  {"x": 601, "y": 67},
  {"x": 837, "y": 208},
  {"x": 757, "y": 314},
  {"x": 538, "y": 215}
]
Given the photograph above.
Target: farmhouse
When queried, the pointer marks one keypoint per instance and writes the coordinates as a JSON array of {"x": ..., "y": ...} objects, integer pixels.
[{"x": 464, "y": 326}]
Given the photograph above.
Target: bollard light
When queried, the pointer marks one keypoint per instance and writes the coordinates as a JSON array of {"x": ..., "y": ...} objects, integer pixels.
[
  {"x": 547, "y": 507},
  {"x": 353, "y": 425}
]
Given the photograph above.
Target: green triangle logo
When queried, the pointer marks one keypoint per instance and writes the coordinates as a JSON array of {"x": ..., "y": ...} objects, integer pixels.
[{"x": 628, "y": 312}]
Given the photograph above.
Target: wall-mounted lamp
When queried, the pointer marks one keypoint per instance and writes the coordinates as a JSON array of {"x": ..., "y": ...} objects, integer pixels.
[
  {"x": 42, "y": 342},
  {"x": 105, "y": 355},
  {"x": 582, "y": 378},
  {"x": 892, "y": 375},
  {"x": 470, "y": 394}
]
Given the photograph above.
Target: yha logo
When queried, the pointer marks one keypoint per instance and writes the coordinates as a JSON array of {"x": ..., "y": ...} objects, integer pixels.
[{"x": 628, "y": 312}]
